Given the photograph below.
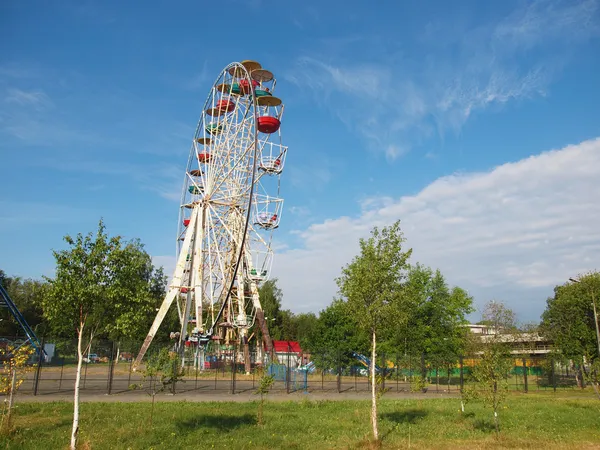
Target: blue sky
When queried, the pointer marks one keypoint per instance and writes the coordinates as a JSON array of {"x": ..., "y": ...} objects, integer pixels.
[{"x": 388, "y": 110}]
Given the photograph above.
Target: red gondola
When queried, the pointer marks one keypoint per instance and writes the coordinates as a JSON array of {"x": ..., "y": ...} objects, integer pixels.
[{"x": 268, "y": 124}]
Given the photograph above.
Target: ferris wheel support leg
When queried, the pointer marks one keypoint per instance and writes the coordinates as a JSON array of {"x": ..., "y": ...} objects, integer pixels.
[
  {"x": 262, "y": 323},
  {"x": 172, "y": 293},
  {"x": 162, "y": 312},
  {"x": 246, "y": 347}
]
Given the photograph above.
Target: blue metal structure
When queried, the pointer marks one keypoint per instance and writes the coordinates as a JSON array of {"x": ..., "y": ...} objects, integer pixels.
[
  {"x": 6, "y": 302},
  {"x": 366, "y": 362}
]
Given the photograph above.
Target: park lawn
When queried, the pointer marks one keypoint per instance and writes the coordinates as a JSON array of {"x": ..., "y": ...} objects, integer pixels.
[{"x": 539, "y": 422}]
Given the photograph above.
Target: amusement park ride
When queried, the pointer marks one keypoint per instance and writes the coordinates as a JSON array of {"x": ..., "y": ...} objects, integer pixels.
[{"x": 230, "y": 206}]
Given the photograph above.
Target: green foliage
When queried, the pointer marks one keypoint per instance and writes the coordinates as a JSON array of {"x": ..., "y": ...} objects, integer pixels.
[
  {"x": 136, "y": 291},
  {"x": 306, "y": 324},
  {"x": 264, "y": 386},
  {"x": 436, "y": 317},
  {"x": 105, "y": 283},
  {"x": 79, "y": 291},
  {"x": 14, "y": 371},
  {"x": 371, "y": 283},
  {"x": 418, "y": 384},
  {"x": 162, "y": 370},
  {"x": 270, "y": 300},
  {"x": 27, "y": 295},
  {"x": 335, "y": 336},
  {"x": 284, "y": 324},
  {"x": 568, "y": 320}
]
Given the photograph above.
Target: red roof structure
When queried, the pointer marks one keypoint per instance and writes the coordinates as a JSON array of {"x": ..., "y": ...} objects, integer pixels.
[{"x": 287, "y": 347}]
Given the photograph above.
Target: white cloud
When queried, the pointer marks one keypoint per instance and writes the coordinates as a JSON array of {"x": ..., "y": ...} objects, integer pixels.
[
  {"x": 397, "y": 103},
  {"x": 511, "y": 233}
]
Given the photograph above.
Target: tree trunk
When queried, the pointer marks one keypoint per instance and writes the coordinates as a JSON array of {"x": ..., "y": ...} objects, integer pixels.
[
  {"x": 75, "y": 430},
  {"x": 496, "y": 423},
  {"x": 373, "y": 390},
  {"x": 11, "y": 399},
  {"x": 118, "y": 353}
]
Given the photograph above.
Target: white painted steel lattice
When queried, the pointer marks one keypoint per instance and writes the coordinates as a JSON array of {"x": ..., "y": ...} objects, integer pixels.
[{"x": 230, "y": 206}]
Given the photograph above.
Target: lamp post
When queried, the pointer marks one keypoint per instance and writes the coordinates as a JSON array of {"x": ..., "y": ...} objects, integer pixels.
[{"x": 574, "y": 280}]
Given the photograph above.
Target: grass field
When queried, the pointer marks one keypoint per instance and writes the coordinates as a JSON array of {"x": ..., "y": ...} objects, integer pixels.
[{"x": 534, "y": 421}]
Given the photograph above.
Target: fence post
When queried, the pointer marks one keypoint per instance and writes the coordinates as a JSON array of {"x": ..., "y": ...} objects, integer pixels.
[
  {"x": 339, "y": 373},
  {"x": 553, "y": 377},
  {"x": 38, "y": 371},
  {"x": 384, "y": 369},
  {"x": 111, "y": 367},
  {"x": 462, "y": 377},
  {"x": 175, "y": 369},
  {"x": 525, "y": 385},
  {"x": 397, "y": 370},
  {"x": 62, "y": 368},
  {"x": 233, "y": 370},
  {"x": 129, "y": 375},
  {"x": 217, "y": 362},
  {"x": 287, "y": 369}
]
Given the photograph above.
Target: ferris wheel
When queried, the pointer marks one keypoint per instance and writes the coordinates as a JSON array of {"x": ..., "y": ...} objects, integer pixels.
[{"x": 230, "y": 207}]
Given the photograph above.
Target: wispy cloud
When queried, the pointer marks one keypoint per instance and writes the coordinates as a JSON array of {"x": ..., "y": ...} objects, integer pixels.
[
  {"x": 37, "y": 99},
  {"x": 398, "y": 103},
  {"x": 164, "y": 179},
  {"x": 314, "y": 174},
  {"x": 200, "y": 80},
  {"x": 17, "y": 214}
]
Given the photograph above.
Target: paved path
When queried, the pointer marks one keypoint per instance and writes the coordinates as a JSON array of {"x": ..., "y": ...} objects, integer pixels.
[{"x": 195, "y": 396}]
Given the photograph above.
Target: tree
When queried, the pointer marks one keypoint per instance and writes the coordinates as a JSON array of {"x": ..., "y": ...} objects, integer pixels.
[
  {"x": 270, "y": 300},
  {"x": 102, "y": 285},
  {"x": 162, "y": 370},
  {"x": 568, "y": 322},
  {"x": 15, "y": 365},
  {"x": 494, "y": 363},
  {"x": 437, "y": 315},
  {"x": 371, "y": 283},
  {"x": 335, "y": 336},
  {"x": 77, "y": 297},
  {"x": 264, "y": 386},
  {"x": 27, "y": 295},
  {"x": 305, "y": 326},
  {"x": 136, "y": 289}
]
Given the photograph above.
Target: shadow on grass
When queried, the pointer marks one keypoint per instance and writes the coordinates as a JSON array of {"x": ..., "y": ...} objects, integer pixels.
[
  {"x": 484, "y": 425},
  {"x": 218, "y": 422},
  {"x": 409, "y": 416}
]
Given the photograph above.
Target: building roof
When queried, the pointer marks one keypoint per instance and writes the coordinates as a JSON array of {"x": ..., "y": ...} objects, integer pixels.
[{"x": 287, "y": 346}]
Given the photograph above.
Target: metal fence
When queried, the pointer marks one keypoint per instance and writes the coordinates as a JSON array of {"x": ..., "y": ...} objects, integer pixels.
[{"x": 108, "y": 369}]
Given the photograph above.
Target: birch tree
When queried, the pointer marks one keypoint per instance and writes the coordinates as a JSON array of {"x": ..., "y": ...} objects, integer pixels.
[
  {"x": 76, "y": 300},
  {"x": 495, "y": 362},
  {"x": 371, "y": 283}
]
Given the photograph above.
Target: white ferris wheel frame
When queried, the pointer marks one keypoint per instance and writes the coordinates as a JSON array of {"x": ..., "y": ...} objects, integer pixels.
[{"x": 228, "y": 213}]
